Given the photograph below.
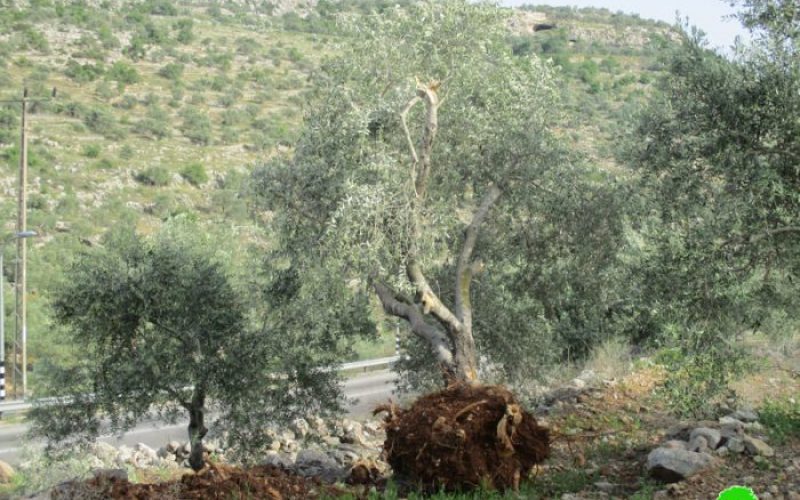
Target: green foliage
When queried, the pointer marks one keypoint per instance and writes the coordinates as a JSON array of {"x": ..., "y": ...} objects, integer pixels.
[
  {"x": 196, "y": 125},
  {"x": 91, "y": 150},
  {"x": 195, "y": 174},
  {"x": 159, "y": 321},
  {"x": 83, "y": 73},
  {"x": 782, "y": 419},
  {"x": 99, "y": 119},
  {"x": 172, "y": 71},
  {"x": 155, "y": 124},
  {"x": 184, "y": 28},
  {"x": 154, "y": 176},
  {"x": 123, "y": 73},
  {"x": 715, "y": 155},
  {"x": 550, "y": 244}
]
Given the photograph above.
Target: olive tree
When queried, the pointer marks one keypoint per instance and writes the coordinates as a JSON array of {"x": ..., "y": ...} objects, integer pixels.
[
  {"x": 159, "y": 326},
  {"x": 718, "y": 153},
  {"x": 426, "y": 175}
]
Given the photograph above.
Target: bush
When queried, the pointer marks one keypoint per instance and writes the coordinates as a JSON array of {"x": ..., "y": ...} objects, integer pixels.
[
  {"x": 126, "y": 152},
  {"x": 153, "y": 176},
  {"x": 83, "y": 73},
  {"x": 782, "y": 419},
  {"x": 184, "y": 29},
  {"x": 172, "y": 71},
  {"x": 123, "y": 73},
  {"x": 91, "y": 150},
  {"x": 101, "y": 121},
  {"x": 196, "y": 126},
  {"x": 155, "y": 124},
  {"x": 195, "y": 174}
]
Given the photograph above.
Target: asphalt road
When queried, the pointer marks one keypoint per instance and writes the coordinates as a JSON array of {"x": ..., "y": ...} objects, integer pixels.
[{"x": 368, "y": 390}]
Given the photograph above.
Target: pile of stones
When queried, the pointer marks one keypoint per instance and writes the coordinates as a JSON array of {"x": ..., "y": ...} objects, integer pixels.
[
  {"x": 692, "y": 449},
  {"x": 310, "y": 447}
]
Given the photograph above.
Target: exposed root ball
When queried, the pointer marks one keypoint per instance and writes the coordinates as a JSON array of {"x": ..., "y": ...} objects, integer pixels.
[{"x": 464, "y": 437}]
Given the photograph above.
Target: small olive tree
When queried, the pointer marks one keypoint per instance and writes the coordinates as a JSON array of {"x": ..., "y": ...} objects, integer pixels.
[{"x": 160, "y": 327}]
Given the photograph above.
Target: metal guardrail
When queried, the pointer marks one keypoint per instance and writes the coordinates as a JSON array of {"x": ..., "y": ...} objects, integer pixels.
[{"x": 17, "y": 406}]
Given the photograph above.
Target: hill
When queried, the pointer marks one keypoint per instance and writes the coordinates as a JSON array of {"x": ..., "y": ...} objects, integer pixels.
[{"x": 163, "y": 107}]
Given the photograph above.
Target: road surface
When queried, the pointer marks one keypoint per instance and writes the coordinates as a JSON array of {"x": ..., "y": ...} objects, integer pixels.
[{"x": 368, "y": 390}]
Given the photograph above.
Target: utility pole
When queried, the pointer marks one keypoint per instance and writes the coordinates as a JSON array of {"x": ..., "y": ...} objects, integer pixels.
[
  {"x": 20, "y": 321},
  {"x": 20, "y": 360}
]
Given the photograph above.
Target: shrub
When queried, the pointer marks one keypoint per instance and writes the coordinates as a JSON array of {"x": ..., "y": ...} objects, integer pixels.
[
  {"x": 104, "y": 164},
  {"x": 184, "y": 29},
  {"x": 782, "y": 419},
  {"x": 153, "y": 176},
  {"x": 126, "y": 152},
  {"x": 83, "y": 73},
  {"x": 155, "y": 124},
  {"x": 195, "y": 174},
  {"x": 91, "y": 150},
  {"x": 172, "y": 71},
  {"x": 101, "y": 121},
  {"x": 123, "y": 73},
  {"x": 196, "y": 126}
]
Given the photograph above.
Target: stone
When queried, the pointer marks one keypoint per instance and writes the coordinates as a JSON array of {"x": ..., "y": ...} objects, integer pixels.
[
  {"x": 353, "y": 434},
  {"x": 698, "y": 444},
  {"x": 300, "y": 427},
  {"x": 605, "y": 486},
  {"x": 121, "y": 474},
  {"x": 278, "y": 459},
  {"x": 712, "y": 436},
  {"x": 676, "y": 444},
  {"x": 145, "y": 450},
  {"x": 756, "y": 446},
  {"x": 722, "y": 451},
  {"x": 105, "y": 452},
  {"x": 671, "y": 465},
  {"x": 793, "y": 495},
  {"x": 311, "y": 462},
  {"x": 578, "y": 383},
  {"x": 736, "y": 445},
  {"x": 331, "y": 440},
  {"x": 275, "y": 445},
  {"x": 745, "y": 415},
  {"x": 318, "y": 425},
  {"x": 172, "y": 447},
  {"x": 680, "y": 432},
  {"x": 753, "y": 426},
  {"x": 6, "y": 472}
]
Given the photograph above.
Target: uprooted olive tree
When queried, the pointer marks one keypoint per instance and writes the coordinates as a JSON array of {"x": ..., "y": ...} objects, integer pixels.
[{"x": 427, "y": 175}]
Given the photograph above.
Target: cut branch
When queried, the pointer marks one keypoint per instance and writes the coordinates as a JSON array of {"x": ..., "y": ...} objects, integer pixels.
[
  {"x": 466, "y": 267},
  {"x": 411, "y": 313}
]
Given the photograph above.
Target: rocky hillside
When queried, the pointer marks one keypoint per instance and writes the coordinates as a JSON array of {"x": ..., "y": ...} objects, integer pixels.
[{"x": 163, "y": 107}]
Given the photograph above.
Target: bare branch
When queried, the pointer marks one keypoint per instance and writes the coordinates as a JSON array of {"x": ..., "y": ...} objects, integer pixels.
[
  {"x": 429, "y": 95},
  {"x": 466, "y": 267},
  {"x": 411, "y": 313},
  {"x": 403, "y": 117}
]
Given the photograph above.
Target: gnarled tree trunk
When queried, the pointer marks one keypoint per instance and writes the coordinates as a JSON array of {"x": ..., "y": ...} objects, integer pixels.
[
  {"x": 449, "y": 334},
  {"x": 197, "y": 429}
]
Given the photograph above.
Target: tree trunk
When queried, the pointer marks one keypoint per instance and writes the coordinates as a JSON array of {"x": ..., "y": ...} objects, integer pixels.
[
  {"x": 197, "y": 429},
  {"x": 449, "y": 334}
]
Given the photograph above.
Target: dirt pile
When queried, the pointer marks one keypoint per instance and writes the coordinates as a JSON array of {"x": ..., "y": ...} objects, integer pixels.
[
  {"x": 463, "y": 437},
  {"x": 216, "y": 482}
]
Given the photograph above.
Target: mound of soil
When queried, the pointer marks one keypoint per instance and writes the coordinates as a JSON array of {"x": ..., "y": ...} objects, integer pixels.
[
  {"x": 216, "y": 482},
  {"x": 463, "y": 437}
]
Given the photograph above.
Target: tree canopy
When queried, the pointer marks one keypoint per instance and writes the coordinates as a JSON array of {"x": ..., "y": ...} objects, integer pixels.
[
  {"x": 163, "y": 328},
  {"x": 718, "y": 152},
  {"x": 428, "y": 173}
]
